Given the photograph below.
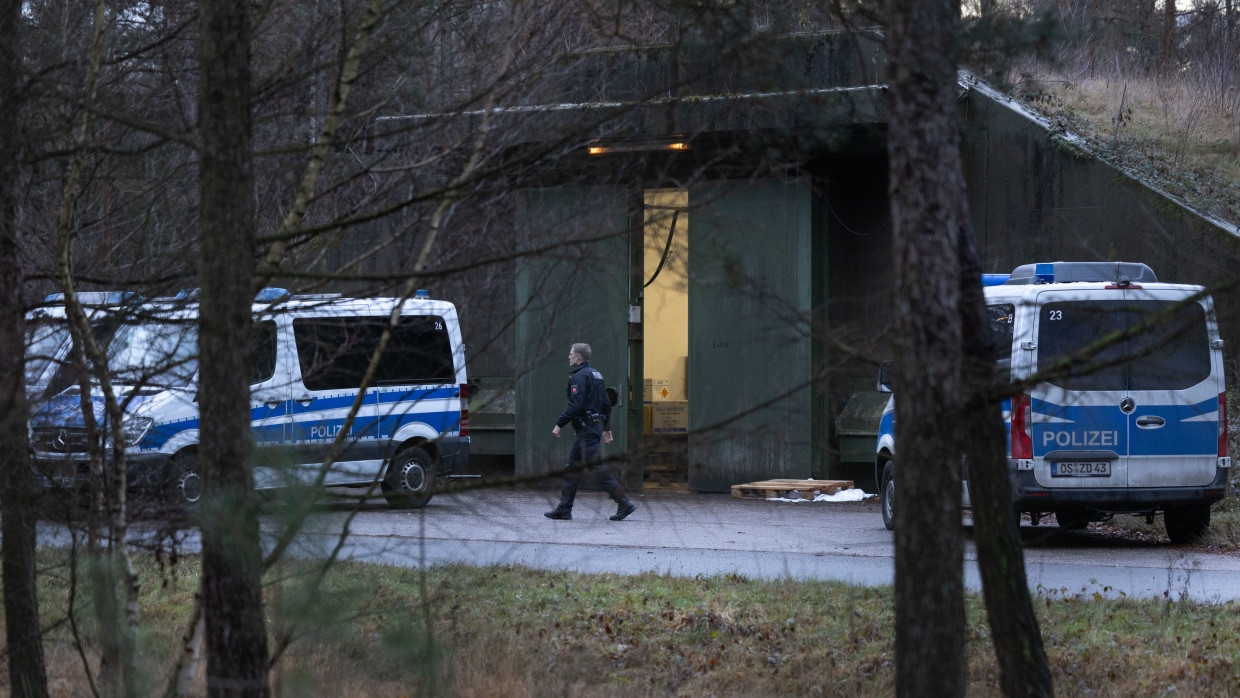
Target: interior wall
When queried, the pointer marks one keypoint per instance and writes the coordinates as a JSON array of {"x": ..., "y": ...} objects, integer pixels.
[{"x": 666, "y": 299}]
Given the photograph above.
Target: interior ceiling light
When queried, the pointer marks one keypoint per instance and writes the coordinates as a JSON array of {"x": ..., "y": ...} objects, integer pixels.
[{"x": 637, "y": 147}]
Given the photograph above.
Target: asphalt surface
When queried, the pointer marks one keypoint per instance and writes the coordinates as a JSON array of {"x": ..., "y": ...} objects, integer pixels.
[
  {"x": 680, "y": 533},
  {"x": 687, "y": 534}
]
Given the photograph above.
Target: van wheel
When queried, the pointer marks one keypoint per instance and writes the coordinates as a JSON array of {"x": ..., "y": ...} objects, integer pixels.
[
  {"x": 183, "y": 486},
  {"x": 1072, "y": 519},
  {"x": 410, "y": 479},
  {"x": 887, "y": 495},
  {"x": 1186, "y": 524}
]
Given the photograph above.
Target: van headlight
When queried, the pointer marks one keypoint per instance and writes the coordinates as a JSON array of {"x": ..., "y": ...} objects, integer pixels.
[{"x": 136, "y": 428}]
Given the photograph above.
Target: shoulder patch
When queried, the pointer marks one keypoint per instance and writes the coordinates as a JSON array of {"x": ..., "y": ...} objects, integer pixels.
[
  {"x": 574, "y": 390},
  {"x": 598, "y": 375}
]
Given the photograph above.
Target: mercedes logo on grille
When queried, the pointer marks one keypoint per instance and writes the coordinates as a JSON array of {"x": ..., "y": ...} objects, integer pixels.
[
  {"x": 1127, "y": 405},
  {"x": 61, "y": 442}
]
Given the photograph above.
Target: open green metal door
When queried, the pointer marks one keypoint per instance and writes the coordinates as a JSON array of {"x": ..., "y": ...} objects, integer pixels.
[
  {"x": 571, "y": 286},
  {"x": 749, "y": 335}
]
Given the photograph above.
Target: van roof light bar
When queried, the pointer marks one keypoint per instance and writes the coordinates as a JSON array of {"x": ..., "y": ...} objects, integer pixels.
[
  {"x": 100, "y": 298},
  {"x": 271, "y": 294},
  {"x": 1069, "y": 272}
]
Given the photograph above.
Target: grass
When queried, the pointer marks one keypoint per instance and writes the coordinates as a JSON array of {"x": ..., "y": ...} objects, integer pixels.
[
  {"x": 1165, "y": 130},
  {"x": 508, "y": 631}
]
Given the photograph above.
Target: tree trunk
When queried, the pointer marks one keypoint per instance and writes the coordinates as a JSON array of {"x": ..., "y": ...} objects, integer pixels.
[
  {"x": 928, "y": 213},
  {"x": 1001, "y": 561},
  {"x": 236, "y": 635},
  {"x": 1229, "y": 26},
  {"x": 18, "y": 515},
  {"x": 1168, "y": 37}
]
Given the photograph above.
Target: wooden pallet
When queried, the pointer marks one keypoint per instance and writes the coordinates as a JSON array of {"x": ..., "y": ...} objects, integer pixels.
[{"x": 775, "y": 489}]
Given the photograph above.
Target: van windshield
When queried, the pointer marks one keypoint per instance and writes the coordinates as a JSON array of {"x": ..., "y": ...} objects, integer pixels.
[
  {"x": 156, "y": 354},
  {"x": 1171, "y": 350},
  {"x": 44, "y": 340},
  {"x": 144, "y": 354}
]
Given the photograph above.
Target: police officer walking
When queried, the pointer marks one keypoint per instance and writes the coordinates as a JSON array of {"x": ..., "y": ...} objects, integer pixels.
[{"x": 589, "y": 411}]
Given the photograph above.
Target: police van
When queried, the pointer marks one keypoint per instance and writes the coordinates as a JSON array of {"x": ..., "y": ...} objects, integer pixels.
[
  {"x": 1126, "y": 406},
  {"x": 311, "y": 354}
]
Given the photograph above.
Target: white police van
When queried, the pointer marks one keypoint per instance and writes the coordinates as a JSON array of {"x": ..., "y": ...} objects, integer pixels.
[
  {"x": 1128, "y": 410},
  {"x": 309, "y": 359}
]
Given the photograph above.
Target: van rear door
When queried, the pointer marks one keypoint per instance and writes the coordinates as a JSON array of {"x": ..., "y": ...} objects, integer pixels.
[
  {"x": 1130, "y": 396},
  {"x": 1174, "y": 382}
]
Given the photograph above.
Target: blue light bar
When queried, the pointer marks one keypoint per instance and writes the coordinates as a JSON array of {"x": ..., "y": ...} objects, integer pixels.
[
  {"x": 995, "y": 279},
  {"x": 271, "y": 294},
  {"x": 1044, "y": 273},
  {"x": 422, "y": 293}
]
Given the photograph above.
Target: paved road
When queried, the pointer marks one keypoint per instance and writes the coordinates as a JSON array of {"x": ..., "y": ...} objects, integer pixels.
[
  {"x": 691, "y": 534},
  {"x": 699, "y": 534}
]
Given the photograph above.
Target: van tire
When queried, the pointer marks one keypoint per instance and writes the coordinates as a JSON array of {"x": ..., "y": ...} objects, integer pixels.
[
  {"x": 1072, "y": 519},
  {"x": 887, "y": 495},
  {"x": 1186, "y": 524},
  {"x": 184, "y": 482},
  {"x": 410, "y": 479}
]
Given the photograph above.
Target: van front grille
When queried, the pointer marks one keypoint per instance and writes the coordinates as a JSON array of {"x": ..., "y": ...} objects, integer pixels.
[{"x": 59, "y": 439}]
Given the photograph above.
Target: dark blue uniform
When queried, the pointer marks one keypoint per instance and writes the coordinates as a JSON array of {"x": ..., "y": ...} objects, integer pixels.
[{"x": 589, "y": 411}]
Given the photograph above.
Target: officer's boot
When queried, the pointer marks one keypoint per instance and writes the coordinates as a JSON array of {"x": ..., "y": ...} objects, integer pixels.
[
  {"x": 562, "y": 512},
  {"x": 623, "y": 509}
]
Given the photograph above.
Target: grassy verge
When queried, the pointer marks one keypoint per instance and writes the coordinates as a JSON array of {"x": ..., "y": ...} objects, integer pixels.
[
  {"x": 505, "y": 631},
  {"x": 1166, "y": 131}
]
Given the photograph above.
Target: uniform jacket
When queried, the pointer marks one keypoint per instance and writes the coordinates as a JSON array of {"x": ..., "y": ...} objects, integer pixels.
[{"x": 587, "y": 396}]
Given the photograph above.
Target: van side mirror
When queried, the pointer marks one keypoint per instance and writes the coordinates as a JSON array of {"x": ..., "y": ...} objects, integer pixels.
[
  {"x": 886, "y": 377},
  {"x": 613, "y": 396}
]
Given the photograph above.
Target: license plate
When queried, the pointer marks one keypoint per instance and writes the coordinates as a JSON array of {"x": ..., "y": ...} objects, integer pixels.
[{"x": 1081, "y": 469}]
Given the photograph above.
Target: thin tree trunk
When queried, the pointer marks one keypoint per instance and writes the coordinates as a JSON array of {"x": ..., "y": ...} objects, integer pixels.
[
  {"x": 117, "y": 666},
  {"x": 18, "y": 506},
  {"x": 191, "y": 652},
  {"x": 236, "y": 633},
  {"x": 927, "y": 210},
  {"x": 1168, "y": 37},
  {"x": 1229, "y": 28},
  {"x": 1023, "y": 670}
]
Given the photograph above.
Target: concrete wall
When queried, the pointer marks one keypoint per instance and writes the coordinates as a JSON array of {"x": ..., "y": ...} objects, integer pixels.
[{"x": 1040, "y": 198}]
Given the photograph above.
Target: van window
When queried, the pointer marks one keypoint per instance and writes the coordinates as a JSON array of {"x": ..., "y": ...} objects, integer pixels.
[
  {"x": 43, "y": 342},
  {"x": 264, "y": 353},
  {"x": 1000, "y": 316},
  {"x": 1171, "y": 354},
  {"x": 334, "y": 352},
  {"x": 1001, "y": 325}
]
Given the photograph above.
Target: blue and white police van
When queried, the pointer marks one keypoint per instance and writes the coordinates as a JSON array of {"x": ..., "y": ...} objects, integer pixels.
[
  {"x": 310, "y": 356},
  {"x": 1127, "y": 410}
]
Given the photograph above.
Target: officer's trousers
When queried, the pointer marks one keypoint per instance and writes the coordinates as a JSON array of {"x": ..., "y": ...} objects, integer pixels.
[{"x": 586, "y": 445}]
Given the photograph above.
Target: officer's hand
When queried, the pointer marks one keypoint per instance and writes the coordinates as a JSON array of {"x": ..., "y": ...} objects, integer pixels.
[
  {"x": 556, "y": 431},
  {"x": 607, "y": 437}
]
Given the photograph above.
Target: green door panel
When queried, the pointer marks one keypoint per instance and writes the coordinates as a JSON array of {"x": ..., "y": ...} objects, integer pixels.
[
  {"x": 571, "y": 286},
  {"x": 749, "y": 340}
]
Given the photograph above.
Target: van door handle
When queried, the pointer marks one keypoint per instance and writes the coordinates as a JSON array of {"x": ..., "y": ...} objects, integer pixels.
[
  {"x": 1150, "y": 422},
  {"x": 305, "y": 400},
  {"x": 273, "y": 403}
]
